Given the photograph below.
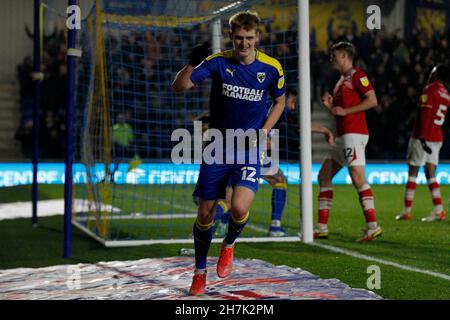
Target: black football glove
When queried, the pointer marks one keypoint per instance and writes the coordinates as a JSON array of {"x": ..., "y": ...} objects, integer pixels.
[
  {"x": 199, "y": 53},
  {"x": 425, "y": 147}
]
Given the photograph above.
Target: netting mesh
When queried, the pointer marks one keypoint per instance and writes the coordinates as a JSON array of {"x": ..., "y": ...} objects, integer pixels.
[
  {"x": 166, "y": 8},
  {"x": 127, "y": 111}
]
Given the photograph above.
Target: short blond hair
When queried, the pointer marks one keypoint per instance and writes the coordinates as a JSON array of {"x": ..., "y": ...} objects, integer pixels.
[
  {"x": 246, "y": 20},
  {"x": 345, "y": 46}
]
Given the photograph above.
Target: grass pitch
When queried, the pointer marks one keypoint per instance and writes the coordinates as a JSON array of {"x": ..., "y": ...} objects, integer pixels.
[{"x": 409, "y": 243}]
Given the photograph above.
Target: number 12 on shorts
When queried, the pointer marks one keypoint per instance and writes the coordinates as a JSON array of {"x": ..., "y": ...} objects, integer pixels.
[
  {"x": 248, "y": 173},
  {"x": 348, "y": 153}
]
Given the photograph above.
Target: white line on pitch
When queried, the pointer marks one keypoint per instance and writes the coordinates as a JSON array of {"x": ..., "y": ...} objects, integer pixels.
[
  {"x": 177, "y": 206},
  {"x": 256, "y": 228},
  {"x": 385, "y": 262},
  {"x": 250, "y": 226}
]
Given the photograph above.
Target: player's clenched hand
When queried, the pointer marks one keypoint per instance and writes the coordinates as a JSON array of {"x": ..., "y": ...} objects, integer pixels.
[
  {"x": 425, "y": 147},
  {"x": 338, "y": 111},
  {"x": 327, "y": 100},
  {"x": 199, "y": 53},
  {"x": 329, "y": 137}
]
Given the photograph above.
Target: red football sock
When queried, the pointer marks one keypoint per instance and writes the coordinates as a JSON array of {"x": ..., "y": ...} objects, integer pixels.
[{"x": 325, "y": 201}]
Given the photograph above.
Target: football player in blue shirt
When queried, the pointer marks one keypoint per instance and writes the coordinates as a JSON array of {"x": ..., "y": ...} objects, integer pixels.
[
  {"x": 274, "y": 176},
  {"x": 242, "y": 80}
]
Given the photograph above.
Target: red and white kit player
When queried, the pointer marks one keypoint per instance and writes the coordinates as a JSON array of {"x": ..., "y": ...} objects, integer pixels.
[
  {"x": 426, "y": 141},
  {"x": 352, "y": 96}
]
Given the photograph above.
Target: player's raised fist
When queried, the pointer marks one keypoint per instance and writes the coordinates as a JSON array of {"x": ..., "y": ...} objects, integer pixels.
[{"x": 199, "y": 53}]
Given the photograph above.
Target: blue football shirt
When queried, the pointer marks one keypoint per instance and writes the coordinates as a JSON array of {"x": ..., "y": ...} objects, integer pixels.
[{"x": 240, "y": 92}]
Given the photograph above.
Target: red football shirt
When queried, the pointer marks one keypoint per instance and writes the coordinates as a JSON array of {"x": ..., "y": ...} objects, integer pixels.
[
  {"x": 348, "y": 92},
  {"x": 434, "y": 102}
]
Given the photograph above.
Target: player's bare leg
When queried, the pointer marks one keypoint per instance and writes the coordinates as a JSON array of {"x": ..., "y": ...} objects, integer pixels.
[
  {"x": 202, "y": 231},
  {"x": 241, "y": 202},
  {"x": 410, "y": 190},
  {"x": 328, "y": 170},
  {"x": 438, "y": 214},
  {"x": 357, "y": 173},
  {"x": 279, "y": 185}
]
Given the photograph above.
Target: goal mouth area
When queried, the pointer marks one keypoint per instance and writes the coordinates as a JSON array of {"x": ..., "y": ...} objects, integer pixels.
[
  {"x": 115, "y": 236},
  {"x": 135, "y": 243}
]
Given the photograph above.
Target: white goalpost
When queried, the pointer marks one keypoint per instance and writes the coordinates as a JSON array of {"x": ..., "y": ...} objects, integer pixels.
[{"x": 304, "y": 89}]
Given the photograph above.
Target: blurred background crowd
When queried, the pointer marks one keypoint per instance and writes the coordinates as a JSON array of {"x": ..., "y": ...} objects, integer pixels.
[{"x": 398, "y": 68}]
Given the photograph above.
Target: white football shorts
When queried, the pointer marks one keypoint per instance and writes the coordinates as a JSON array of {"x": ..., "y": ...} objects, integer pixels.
[
  {"x": 349, "y": 150},
  {"x": 416, "y": 156}
]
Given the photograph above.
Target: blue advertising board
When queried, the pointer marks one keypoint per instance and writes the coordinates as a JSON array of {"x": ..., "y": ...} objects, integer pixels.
[{"x": 14, "y": 174}]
